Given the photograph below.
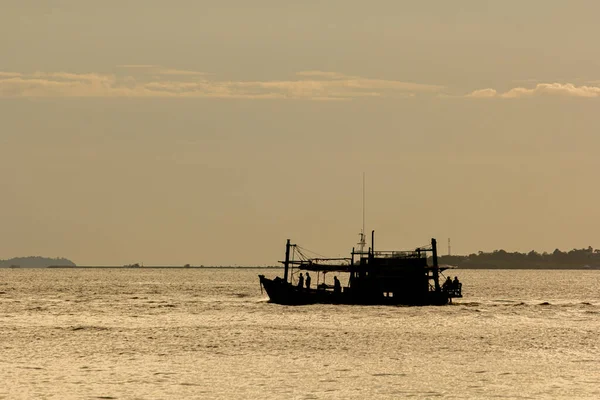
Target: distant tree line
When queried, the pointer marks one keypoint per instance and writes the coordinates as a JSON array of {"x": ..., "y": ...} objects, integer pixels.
[
  {"x": 500, "y": 259},
  {"x": 36, "y": 262}
]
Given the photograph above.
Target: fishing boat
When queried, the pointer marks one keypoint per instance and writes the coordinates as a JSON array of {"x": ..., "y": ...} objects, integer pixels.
[{"x": 374, "y": 278}]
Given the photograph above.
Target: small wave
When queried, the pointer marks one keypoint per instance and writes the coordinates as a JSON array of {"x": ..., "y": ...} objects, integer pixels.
[
  {"x": 505, "y": 303},
  {"x": 89, "y": 328},
  {"x": 469, "y": 304}
]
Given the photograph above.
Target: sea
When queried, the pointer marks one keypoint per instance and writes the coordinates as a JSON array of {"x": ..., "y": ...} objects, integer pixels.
[{"x": 206, "y": 333}]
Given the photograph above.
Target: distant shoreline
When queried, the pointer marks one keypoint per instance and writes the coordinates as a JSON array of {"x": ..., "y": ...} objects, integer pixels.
[
  {"x": 584, "y": 259},
  {"x": 548, "y": 268},
  {"x": 159, "y": 267}
]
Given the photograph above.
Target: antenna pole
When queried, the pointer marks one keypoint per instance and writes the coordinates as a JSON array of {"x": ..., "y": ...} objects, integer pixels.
[
  {"x": 286, "y": 265},
  {"x": 363, "y": 226},
  {"x": 436, "y": 268},
  {"x": 373, "y": 241},
  {"x": 363, "y": 241}
]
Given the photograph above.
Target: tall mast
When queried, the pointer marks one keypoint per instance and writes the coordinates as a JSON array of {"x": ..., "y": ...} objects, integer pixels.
[
  {"x": 286, "y": 264},
  {"x": 363, "y": 226},
  {"x": 436, "y": 268},
  {"x": 363, "y": 241}
]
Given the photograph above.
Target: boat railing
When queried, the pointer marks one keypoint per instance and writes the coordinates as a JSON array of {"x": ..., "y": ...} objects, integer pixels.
[
  {"x": 454, "y": 290},
  {"x": 399, "y": 254},
  {"x": 340, "y": 260}
]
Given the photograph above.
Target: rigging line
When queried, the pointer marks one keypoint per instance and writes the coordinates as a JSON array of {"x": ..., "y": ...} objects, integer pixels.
[
  {"x": 305, "y": 256},
  {"x": 313, "y": 252},
  {"x": 302, "y": 255},
  {"x": 302, "y": 248}
]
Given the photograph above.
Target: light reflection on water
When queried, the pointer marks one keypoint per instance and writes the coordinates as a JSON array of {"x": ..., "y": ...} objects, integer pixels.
[{"x": 156, "y": 333}]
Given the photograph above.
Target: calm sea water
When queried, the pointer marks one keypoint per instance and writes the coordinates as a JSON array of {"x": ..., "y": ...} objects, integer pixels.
[{"x": 210, "y": 334}]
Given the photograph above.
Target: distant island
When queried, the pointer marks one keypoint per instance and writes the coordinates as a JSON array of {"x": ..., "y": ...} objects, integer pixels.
[
  {"x": 585, "y": 258},
  {"x": 35, "y": 262}
]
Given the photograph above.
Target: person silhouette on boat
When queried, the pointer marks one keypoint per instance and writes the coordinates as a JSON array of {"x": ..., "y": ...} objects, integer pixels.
[
  {"x": 337, "y": 287},
  {"x": 456, "y": 286},
  {"x": 300, "y": 281},
  {"x": 307, "y": 280},
  {"x": 447, "y": 285}
]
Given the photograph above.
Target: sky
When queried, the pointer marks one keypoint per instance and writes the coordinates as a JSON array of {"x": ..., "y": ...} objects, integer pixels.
[{"x": 209, "y": 132}]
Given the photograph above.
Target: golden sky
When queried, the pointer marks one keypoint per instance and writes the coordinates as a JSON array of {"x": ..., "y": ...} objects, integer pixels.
[{"x": 208, "y": 132}]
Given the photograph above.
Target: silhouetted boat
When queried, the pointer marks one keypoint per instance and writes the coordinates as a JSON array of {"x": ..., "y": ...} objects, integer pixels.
[{"x": 375, "y": 278}]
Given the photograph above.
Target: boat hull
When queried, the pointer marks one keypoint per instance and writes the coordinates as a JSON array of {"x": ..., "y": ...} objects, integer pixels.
[{"x": 281, "y": 292}]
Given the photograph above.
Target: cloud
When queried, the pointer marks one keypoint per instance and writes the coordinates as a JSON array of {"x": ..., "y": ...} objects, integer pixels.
[
  {"x": 322, "y": 74},
  {"x": 157, "y": 69},
  {"x": 357, "y": 82},
  {"x": 184, "y": 72},
  {"x": 483, "y": 93},
  {"x": 137, "y": 66},
  {"x": 156, "y": 81},
  {"x": 541, "y": 89},
  {"x": 567, "y": 89},
  {"x": 9, "y": 74}
]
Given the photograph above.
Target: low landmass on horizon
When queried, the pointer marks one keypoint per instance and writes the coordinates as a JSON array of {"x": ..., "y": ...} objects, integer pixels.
[
  {"x": 35, "y": 262},
  {"x": 585, "y": 258}
]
